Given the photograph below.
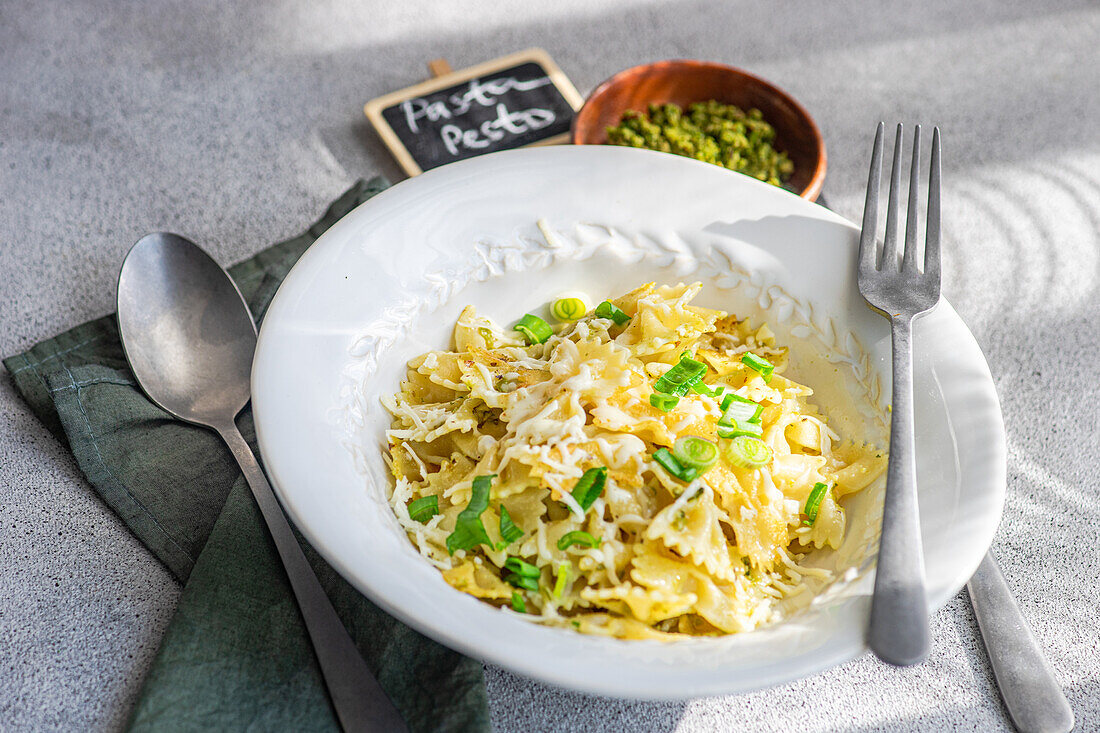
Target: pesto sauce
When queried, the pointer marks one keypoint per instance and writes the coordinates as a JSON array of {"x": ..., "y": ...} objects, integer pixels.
[{"x": 712, "y": 132}]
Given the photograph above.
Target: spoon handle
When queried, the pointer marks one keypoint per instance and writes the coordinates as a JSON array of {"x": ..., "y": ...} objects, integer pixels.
[
  {"x": 1031, "y": 692},
  {"x": 360, "y": 702}
]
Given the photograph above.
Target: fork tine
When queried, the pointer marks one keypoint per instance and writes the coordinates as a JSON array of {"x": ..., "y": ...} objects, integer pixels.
[
  {"x": 867, "y": 244},
  {"x": 909, "y": 254},
  {"x": 932, "y": 237},
  {"x": 890, "y": 243}
]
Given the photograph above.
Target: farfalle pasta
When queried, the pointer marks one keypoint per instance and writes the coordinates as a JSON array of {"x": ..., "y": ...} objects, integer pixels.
[{"x": 644, "y": 471}]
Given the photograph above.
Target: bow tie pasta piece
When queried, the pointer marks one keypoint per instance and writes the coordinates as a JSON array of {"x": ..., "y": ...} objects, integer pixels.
[
  {"x": 648, "y": 605},
  {"x": 690, "y": 528},
  {"x": 603, "y": 624},
  {"x": 864, "y": 464},
  {"x": 755, "y": 511},
  {"x": 470, "y": 577},
  {"x": 474, "y": 331},
  {"x": 729, "y": 607},
  {"x": 663, "y": 324}
]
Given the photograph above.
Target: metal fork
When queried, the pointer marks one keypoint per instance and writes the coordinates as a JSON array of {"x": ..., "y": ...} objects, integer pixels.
[
  {"x": 899, "y": 609},
  {"x": 900, "y": 291}
]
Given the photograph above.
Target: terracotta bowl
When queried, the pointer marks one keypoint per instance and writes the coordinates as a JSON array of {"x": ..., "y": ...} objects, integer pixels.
[{"x": 685, "y": 82}]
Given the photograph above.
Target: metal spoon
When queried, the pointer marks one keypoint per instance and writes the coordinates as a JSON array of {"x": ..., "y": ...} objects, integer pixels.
[{"x": 189, "y": 338}]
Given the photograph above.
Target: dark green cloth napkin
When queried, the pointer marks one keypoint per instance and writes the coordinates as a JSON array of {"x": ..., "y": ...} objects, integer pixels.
[{"x": 236, "y": 655}]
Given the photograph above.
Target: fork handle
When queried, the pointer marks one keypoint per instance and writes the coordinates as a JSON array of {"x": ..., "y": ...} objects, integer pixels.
[
  {"x": 1028, "y": 686},
  {"x": 360, "y": 702},
  {"x": 898, "y": 631}
]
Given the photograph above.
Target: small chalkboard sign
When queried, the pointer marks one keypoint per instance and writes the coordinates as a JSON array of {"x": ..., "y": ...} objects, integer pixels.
[{"x": 521, "y": 99}]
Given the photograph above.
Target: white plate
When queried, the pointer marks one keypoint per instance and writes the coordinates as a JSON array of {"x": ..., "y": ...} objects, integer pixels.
[{"x": 387, "y": 283}]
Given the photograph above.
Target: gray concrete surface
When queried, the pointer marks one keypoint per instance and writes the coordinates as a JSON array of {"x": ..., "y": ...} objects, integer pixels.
[{"x": 234, "y": 123}]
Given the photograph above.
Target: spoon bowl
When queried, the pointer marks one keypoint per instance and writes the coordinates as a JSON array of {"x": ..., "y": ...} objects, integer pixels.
[{"x": 186, "y": 329}]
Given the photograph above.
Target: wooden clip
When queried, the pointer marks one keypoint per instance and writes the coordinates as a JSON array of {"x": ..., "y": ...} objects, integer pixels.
[{"x": 439, "y": 67}]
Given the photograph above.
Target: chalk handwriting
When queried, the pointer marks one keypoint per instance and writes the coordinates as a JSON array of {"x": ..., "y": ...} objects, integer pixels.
[
  {"x": 480, "y": 115},
  {"x": 486, "y": 93},
  {"x": 480, "y": 92},
  {"x": 495, "y": 129},
  {"x": 417, "y": 109}
]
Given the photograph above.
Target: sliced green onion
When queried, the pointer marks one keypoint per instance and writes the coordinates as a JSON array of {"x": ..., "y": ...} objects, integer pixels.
[
  {"x": 568, "y": 309},
  {"x": 700, "y": 388},
  {"x": 737, "y": 409},
  {"x": 740, "y": 416},
  {"x": 609, "y": 310},
  {"x": 509, "y": 532},
  {"x": 668, "y": 462},
  {"x": 577, "y": 537},
  {"x": 562, "y": 579},
  {"x": 691, "y": 382},
  {"x": 752, "y": 429},
  {"x": 760, "y": 364},
  {"x": 813, "y": 503},
  {"x": 469, "y": 531},
  {"x": 693, "y": 364},
  {"x": 746, "y": 452},
  {"x": 517, "y": 603},
  {"x": 679, "y": 379},
  {"x": 521, "y": 568},
  {"x": 716, "y": 391},
  {"x": 590, "y": 486},
  {"x": 534, "y": 329},
  {"x": 694, "y": 452},
  {"x": 424, "y": 508},
  {"x": 487, "y": 334},
  {"x": 521, "y": 581},
  {"x": 663, "y": 402}
]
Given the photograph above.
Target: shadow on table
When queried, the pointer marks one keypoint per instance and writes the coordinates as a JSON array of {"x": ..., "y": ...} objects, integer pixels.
[{"x": 533, "y": 706}]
